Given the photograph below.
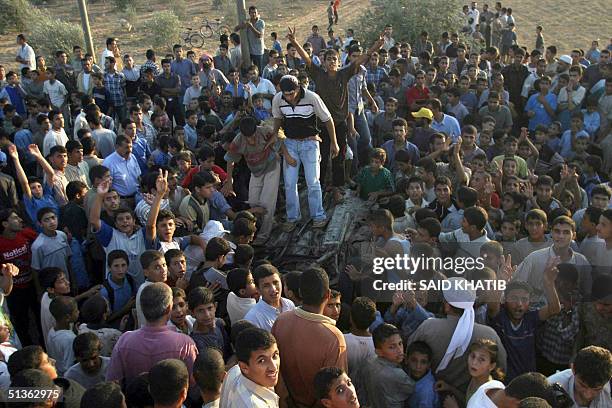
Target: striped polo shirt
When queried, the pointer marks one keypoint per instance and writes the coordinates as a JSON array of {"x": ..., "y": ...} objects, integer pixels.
[{"x": 300, "y": 121}]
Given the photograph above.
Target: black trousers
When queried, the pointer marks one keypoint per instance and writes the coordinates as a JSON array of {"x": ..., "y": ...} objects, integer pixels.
[
  {"x": 20, "y": 302},
  {"x": 338, "y": 172}
]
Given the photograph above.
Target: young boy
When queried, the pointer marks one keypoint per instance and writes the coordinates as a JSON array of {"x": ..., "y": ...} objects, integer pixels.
[
  {"x": 51, "y": 248},
  {"x": 54, "y": 90},
  {"x": 258, "y": 366},
  {"x": 191, "y": 135},
  {"x": 509, "y": 232},
  {"x": 196, "y": 206},
  {"x": 536, "y": 223},
  {"x": 333, "y": 387},
  {"x": 588, "y": 229},
  {"x": 259, "y": 111},
  {"x": 387, "y": 383},
  {"x": 544, "y": 195},
  {"x": 127, "y": 235},
  {"x": 208, "y": 331},
  {"x": 36, "y": 195},
  {"x": 375, "y": 181},
  {"x": 209, "y": 374},
  {"x": 119, "y": 289},
  {"x": 177, "y": 268},
  {"x": 100, "y": 93},
  {"x": 155, "y": 270},
  {"x": 90, "y": 368},
  {"x": 59, "y": 340},
  {"x": 180, "y": 320},
  {"x": 263, "y": 161},
  {"x": 359, "y": 344},
  {"x": 76, "y": 169},
  {"x": 418, "y": 355},
  {"x": 516, "y": 324},
  {"x": 243, "y": 293}
]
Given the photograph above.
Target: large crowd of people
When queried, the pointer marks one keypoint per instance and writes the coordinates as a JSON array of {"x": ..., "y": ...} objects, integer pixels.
[{"x": 137, "y": 203}]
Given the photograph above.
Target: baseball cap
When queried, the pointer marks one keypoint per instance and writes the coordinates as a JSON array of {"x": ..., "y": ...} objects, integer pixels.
[
  {"x": 423, "y": 113},
  {"x": 213, "y": 229},
  {"x": 566, "y": 58},
  {"x": 289, "y": 83}
]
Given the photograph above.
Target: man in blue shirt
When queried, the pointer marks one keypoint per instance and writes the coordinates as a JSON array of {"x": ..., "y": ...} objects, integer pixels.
[
  {"x": 182, "y": 67},
  {"x": 140, "y": 148},
  {"x": 124, "y": 169},
  {"x": 442, "y": 122},
  {"x": 541, "y": 106}
]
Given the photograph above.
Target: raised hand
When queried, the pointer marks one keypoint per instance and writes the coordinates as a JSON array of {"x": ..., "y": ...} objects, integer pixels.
[
  {"x": 34, "y": 151},
  {"x": 12, "y": 151},
  {"x": 291, "y": 34},
  {"x": 507, "y": 270},
  {"x": 551, "y": 271},
  {"x": 104, "y": 186},
  {"x": 9, "y": 269},
  {"x": 161, "y": 184}
]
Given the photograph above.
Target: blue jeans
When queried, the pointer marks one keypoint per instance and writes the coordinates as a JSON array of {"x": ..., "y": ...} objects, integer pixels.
[
  {"x": 307, "y": 153},
  {"x": 364, "y": 143}
]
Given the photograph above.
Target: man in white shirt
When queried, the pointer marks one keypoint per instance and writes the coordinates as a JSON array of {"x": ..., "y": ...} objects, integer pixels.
[
  {"x": 111, "y": 45},
  {"x": 473, "y": 16},
  {"x": 25, "y": 54},
  {"x": 54, "y": 90},
  {"x": 261, "y": 86},
  {"x": 264, "y": 313},
  {"x": 588, "y": 381},
  {"x": 57, "y": 134}
]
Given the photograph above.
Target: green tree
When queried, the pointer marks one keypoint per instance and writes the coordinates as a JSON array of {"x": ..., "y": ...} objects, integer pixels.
[
  {"x": 410, "y": 17},
  {"x": 50, "y": 34},
  {"x": 164, "y": 29}
]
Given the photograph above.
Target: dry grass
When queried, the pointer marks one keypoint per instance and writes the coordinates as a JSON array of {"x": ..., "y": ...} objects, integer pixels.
[{"x": 560, "y": 25}]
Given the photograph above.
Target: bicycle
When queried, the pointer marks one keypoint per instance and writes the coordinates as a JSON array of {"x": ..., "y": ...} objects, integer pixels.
[
  {"x": 193, "y": 38},
  {"x": 209, "y": 28}
]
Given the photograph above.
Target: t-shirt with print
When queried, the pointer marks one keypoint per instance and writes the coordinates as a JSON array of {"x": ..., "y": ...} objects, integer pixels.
[
  {"x": 333, "y": 90},
  {"x": 17, "y": 251},
  {"x": 259, "y": 158},
  {"x": 519, "y": 341}
]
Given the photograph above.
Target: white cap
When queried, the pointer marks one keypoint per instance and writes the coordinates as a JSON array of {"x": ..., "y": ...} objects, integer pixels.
[
  {"x": 566, "y": 58},
  {"x": 213, "y": 229}
]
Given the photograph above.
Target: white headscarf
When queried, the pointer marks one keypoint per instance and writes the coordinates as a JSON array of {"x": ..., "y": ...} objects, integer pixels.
[{"x": 459, "y": 296}]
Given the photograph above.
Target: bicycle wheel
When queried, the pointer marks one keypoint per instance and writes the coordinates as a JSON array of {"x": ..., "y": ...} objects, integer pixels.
[
  {"x": 223, "y": 29},
  {"x": 196, "y": 40},
  {"x": 206, "y": 31}
]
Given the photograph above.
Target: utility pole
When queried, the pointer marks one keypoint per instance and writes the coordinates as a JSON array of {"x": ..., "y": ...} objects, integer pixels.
[
  {"x": 86, "y": 29},
  {"x": 244, "y": 42}
]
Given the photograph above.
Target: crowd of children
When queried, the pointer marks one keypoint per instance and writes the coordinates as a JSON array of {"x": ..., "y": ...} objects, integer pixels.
[{"x": 137, "y": 204}]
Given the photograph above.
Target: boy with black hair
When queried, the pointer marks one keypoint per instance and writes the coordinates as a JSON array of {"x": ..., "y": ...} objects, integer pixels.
[
  {"x": 104, "y": 394},
  {"x": 76, "y": 168},
  {"x": 90, "y": 368},
  {"x": 155, "y": 270},
  {"x": 208, "y": 330},
  {"x": 532, "y": 268},
  {"x": 375, "y": 181},
  {"x": 243, "y": 293},
  {"x": 59, "y": 340},
  {"x": 169, "y": 383},
  {"x": 387, "y": 384},
  {"x": 536, "y": 224},
  {"x": 333, "y": 307},
  {"x": 119, "y": 289},
  {"x": 444, "y": 203},
  {"x": 127, "y": 235},
  {"x": 36, "y": 194},
  {"x": 51, "y": 248},
  {"x": 406, "y": 313},
  {"x": 264, "y": 165},
  {"x": 588, "y": 380},
  {"x": 556, "y": 336},
  {"x": 588, "y": 229},
  {"x": 206, "y": 158},
  {"x": 271, "y": 303},
  {"x": 380, "y": 223},
  {"x": 427, "y": 231},
  {"x": 177, "y": 268},
  {"x": 209, "y": 374},
  {"x": 333, "y": 387},
  {"x": 359, "y": 344},
  {"x": 470, "y": 236},
  {"x": 215, "y": 256},
  {"x": 243, "y": 256},
  {"x": 516, "y": 324},
  {"x": 466, "y": 197},
  {"x": 495, "y": 394},
  {"x": 510, "y": 147},
  {"x": 259, "y": 364},
  {"x": 196, "y": 206},
  {"x": 418, "y": 363}
]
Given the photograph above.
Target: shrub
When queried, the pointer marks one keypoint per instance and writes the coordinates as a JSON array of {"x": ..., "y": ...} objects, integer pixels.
[
  {"x": 15, "y": 15},
  {"x": 123, "y": 5},
  {"x": 409, "y": 18},
  {"x": 164, "y": 29},
  {"x": 50, "y": 34}
]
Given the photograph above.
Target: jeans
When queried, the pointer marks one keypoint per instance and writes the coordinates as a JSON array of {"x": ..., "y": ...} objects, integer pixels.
[
  {"x": 304, "y": 152},
  {"x": 364, "y": 143},
  {"x": 338, "y": 172}
]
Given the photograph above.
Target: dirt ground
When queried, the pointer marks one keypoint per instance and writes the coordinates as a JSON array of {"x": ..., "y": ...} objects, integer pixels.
[{"x": 560, "y": 25}]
